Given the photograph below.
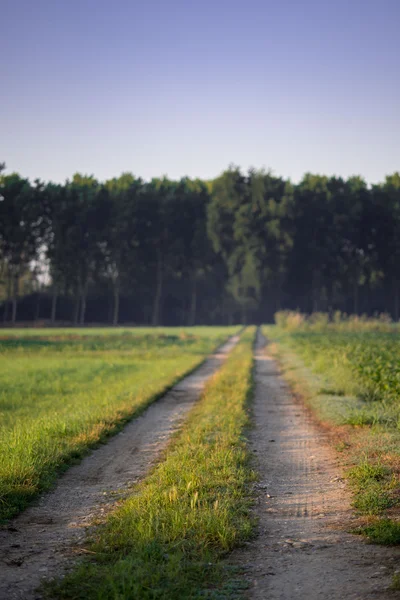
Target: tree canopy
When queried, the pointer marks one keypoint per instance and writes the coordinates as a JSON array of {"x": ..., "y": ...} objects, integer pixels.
[{"x": 236, "y": 248}]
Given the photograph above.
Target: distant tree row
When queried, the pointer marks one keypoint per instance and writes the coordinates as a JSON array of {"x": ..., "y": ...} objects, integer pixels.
[{"x": 237, "y": 248}]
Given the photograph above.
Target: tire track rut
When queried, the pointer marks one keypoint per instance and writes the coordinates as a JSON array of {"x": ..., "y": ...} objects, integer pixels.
[
  {"x": 303, "y": 550},
  {"x": 47, "y": 536}
]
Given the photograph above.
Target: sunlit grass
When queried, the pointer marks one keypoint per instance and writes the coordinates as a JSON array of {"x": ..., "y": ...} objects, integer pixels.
[
  {"x": 61, "y": 394},
  {"x": 168, "y": 539}
]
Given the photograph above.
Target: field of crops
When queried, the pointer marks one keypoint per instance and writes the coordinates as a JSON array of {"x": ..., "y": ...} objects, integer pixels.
[
  {"x": 361, "y": 368},
  {"x": 350, "y": 377},
  {"x": 62, "y": 391}
]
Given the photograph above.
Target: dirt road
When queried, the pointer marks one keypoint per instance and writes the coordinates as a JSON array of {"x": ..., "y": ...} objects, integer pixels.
[
  {"x": 304, "y": 511},
  {"x": 42, "y": 539}
]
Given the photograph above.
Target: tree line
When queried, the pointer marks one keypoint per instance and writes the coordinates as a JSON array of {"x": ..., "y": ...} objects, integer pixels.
[{"x": 234, "y": 249}]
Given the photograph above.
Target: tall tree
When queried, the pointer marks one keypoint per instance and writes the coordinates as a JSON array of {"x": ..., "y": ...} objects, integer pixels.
[
  {"x": 85, "y": 233},
  {"x": 386, "y": 226},
  {"x": 229, "y": 195},
  {"x": 122, "y": 236},
  {"x": 19, "y": 219}
]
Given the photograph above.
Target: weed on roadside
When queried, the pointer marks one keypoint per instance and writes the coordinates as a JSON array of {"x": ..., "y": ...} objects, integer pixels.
[
  {"x": 382, "y": 531},
  {"x": 396, "y": 582}
]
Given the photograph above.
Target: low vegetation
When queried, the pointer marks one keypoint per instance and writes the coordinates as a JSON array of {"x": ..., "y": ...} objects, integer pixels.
[
  {"x": 383, "y": 531},
  {"x": 169, "y": 538},
  {"x": 348, "y": 370},
  {"x": 63, "y": 391}
]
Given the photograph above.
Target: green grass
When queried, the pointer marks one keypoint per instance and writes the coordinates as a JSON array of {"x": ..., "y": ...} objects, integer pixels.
[
  {"x": 349, "y": 375},
  {"x": 169, "y": 539},
  {"x": 382, "y": 531},
  {"x": 396, "y": 582},
  {"x": 63, "y": 391},
  {"x": 71, "y": 332},
  {"x": 373, "y": 484}
]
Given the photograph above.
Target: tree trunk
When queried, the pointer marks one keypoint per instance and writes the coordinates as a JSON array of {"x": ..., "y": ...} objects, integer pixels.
[
  {"x": 329, "y": 299},
  {"x": 83, "y": 305},
  {"x": 53, "y": 307},
  {"x": 5, "y": 313},
  {"x": 315, "y": 300},
  {"x": 158, "y": 296},
  {"x": 316, "y": 291},
  {"x": 396, "y": 300},
  {"x": 244, "y": 316},
  {"x": 116, "y": 304},
  {"x": 14, "y": 299},
  {"x": 8, "y": 299},
  {"x": 355, "y": 298},
  {"x": 37, "y": 308},
  {"x": 278, "y": 296},
  {"x": 76, "y": 308},
  {"x": 193, "y": 304}
]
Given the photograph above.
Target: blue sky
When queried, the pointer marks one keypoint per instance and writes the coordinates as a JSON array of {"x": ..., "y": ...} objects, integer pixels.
[{"x": 185, "y": 88}]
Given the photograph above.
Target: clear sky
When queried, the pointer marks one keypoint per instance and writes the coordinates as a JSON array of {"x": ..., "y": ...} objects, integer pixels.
[{"x": 185, "y": 87}]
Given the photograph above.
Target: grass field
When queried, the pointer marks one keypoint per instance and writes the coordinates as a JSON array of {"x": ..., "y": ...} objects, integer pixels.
[
  {"x": 351, "y": 379},
  {"x": 168, "y": 540},
  {"x": 64, "y": 390}
]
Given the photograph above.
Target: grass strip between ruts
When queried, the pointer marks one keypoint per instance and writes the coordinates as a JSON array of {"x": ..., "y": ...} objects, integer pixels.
[{"x": 169, "y": 538}]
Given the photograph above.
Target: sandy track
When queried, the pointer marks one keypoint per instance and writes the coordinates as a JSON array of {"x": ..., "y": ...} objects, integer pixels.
[
  {"x": 303, "y": 550},
  {"x": 47, "y": 535}
]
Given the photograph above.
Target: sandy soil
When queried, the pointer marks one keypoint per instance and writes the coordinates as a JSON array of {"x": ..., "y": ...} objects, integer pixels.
[
  {"x": 48, "y": 535},
  {"x": 303, "y": 550}
]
